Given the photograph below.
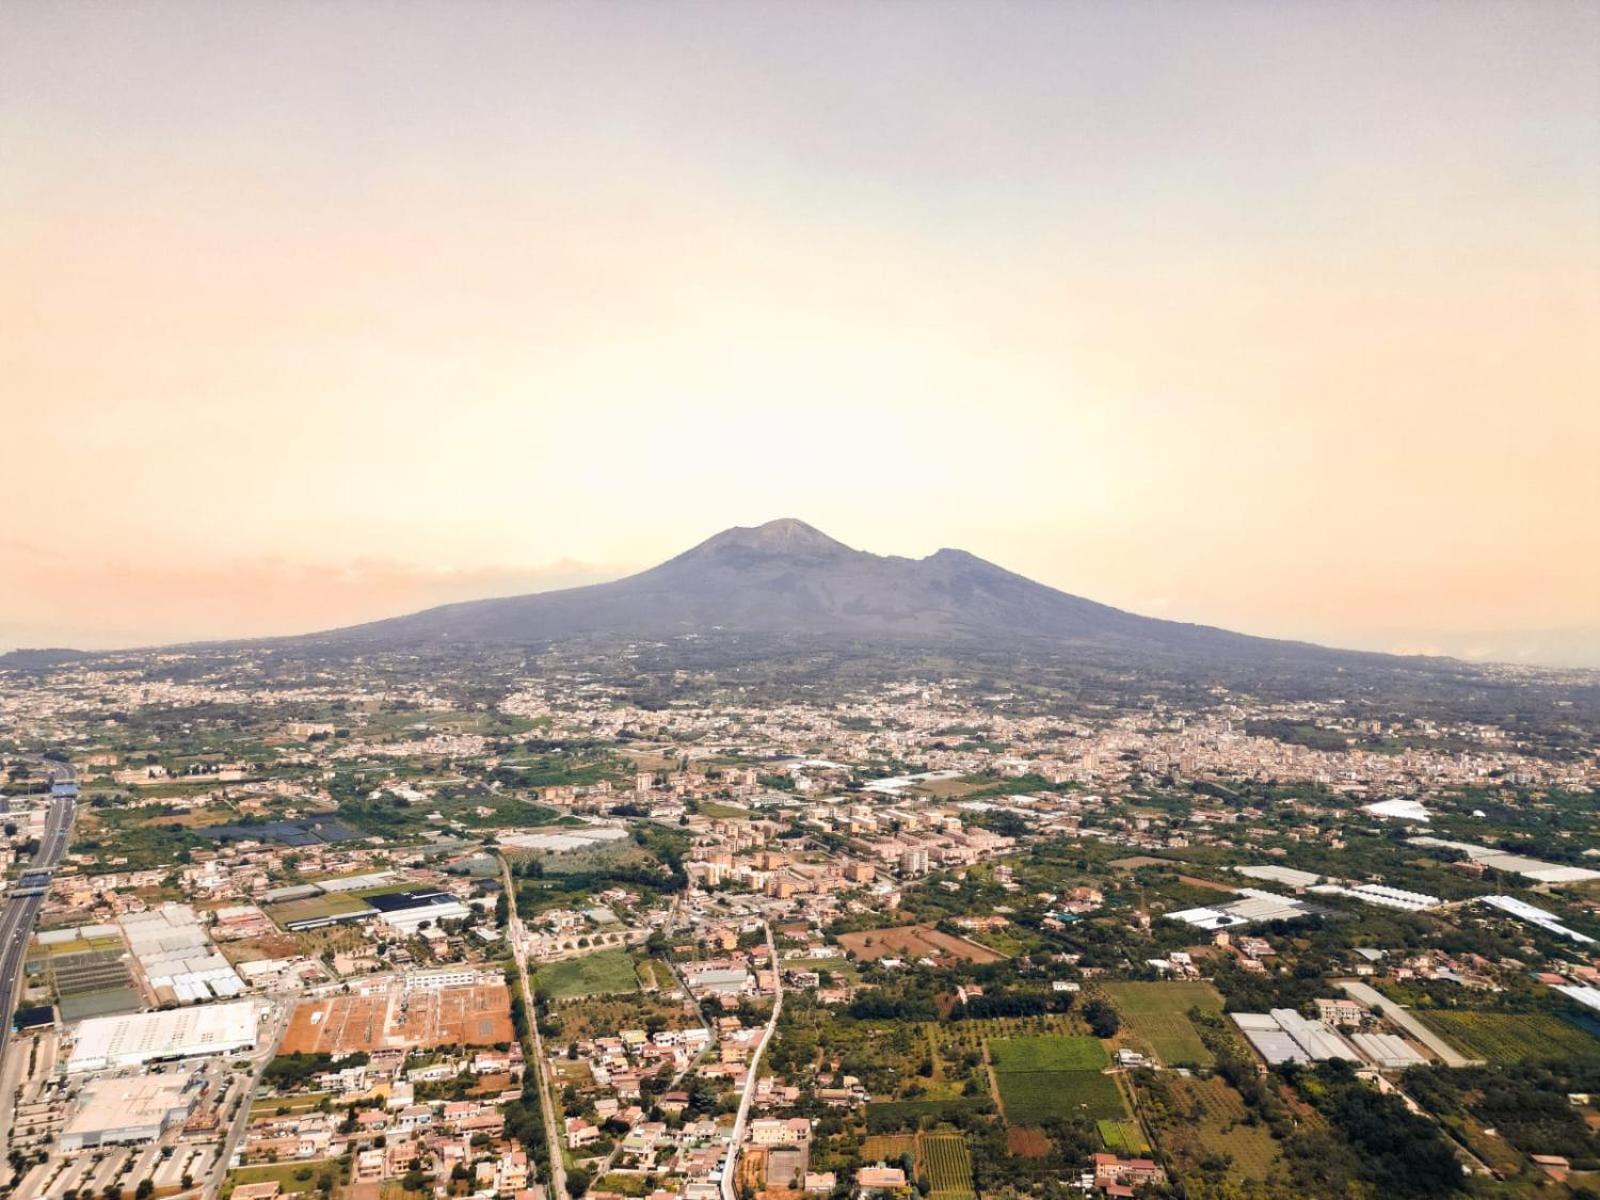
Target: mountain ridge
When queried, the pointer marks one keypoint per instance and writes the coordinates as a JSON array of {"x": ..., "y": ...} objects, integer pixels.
[{"x": 787, "y": 577}]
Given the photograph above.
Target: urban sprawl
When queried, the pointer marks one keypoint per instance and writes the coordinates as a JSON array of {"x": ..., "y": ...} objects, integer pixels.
[{"x": 381, "y": 931}]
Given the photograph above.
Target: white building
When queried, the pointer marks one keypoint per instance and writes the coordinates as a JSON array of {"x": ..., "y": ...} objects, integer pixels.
[
  {"x": 130, "y": 1041},
  {"x": 140, "y": 1109}
]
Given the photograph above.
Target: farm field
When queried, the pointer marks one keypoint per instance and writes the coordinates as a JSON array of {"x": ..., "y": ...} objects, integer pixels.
[
  {"x": 1156, "y": 1015},
  {"x": 948, "y": 1166},
  {"x": 1033, "y": 1097},
  {"x": 956, "y": 1038},
  {"x": 1201, "y": 1115},
  {"x": 915, "y": 941},
  {"x": 1511, "y": 1037},
  {"x": 1051, "y": 1052},
  {"x": 92, "y": 983},
  {"x": 1123, "y": 1137},
  {"x": 607, "y": 1014},
  {"x": 886, "y": 1147},
  {"x": 602, "y": 973},
  {"x": 1027, "y": 1142}
]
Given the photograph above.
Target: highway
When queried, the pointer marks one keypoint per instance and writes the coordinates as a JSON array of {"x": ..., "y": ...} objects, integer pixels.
[{"x": 16, "y": 922}]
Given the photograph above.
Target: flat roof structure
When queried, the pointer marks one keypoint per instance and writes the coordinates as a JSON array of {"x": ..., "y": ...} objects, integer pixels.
[
  {"x": 139, "y": 1109},
  {"x": 130, "y": 1041}
]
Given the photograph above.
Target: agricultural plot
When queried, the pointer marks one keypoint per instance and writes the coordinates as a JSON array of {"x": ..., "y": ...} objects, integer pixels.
[
  {"x": 1027, "y": 1142},
  {"x": 956, "y": 1038},
  {"x": 1051, "y": 1052},
  {"x": 886, "y": 1147},
  {"x": 1201, "y": 1116},
  {"x": 948, "y": 1166},
  {"x": 915, "y": 941},
  {"x": 93, "y": 983},
  {"x": 1123, "y": 1137},
  {"x": 1512, "y": 1037},
  {"x": 1156, "y": 1015},
  {"x": 1033, "y": 1097},
  {"x": 604, "y": 973}
]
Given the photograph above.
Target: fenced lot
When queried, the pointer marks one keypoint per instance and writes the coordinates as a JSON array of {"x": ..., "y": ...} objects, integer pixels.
[
  {"x": 1156, "y": 1015},
  {"x": 1051, "y": 1052},
  {"x": 1512, "y": 1037}
]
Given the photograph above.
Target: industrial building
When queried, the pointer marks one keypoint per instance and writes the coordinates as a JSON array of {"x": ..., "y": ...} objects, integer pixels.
[
  {"x": 138, "y": 1109},
  {"x": 1283, "y": 1035},
  {"x": 408, "y": 911},
  {"x": 130, "y": 1041},
  {"x": 177, "y": 956}
]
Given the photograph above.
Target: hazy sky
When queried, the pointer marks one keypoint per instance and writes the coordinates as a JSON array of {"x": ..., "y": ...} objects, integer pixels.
[{"x": 1284, "y": 317}]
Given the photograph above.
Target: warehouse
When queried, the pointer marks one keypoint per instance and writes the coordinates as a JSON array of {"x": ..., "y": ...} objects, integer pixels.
[
  {"x": 409, "y": 911},
  {"x": 140, "y": 1109},
  {"x": 129, "y": 1041}
]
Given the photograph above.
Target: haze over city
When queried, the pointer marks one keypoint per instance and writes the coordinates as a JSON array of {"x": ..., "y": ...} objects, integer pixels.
[{"x": 1279, "y": 321}]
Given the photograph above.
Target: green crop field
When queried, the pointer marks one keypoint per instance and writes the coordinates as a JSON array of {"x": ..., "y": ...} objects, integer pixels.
[
  {"x": 602, "y": 973},
  {"x": 1123, "y": 1137},
  {"x": 948, "y": 1165},
  {"x": 1195, "y": 1118},
  {"x": 1033, "y": 1097},
  {"x": 1051, "y": 1052},
  {"x": 1156, "y": 1014},
  {"x": 1512, "y": 1037}
]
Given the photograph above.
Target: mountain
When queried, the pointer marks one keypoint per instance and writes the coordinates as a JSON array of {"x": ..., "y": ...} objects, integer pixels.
[{"x": 787, "y": 578}]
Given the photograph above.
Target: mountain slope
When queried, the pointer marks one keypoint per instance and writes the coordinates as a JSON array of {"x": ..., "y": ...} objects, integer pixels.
[{"x": 787, "y": 578}]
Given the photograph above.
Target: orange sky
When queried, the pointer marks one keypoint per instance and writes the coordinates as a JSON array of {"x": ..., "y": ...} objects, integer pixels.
[{"x": 1277, "y": 318}]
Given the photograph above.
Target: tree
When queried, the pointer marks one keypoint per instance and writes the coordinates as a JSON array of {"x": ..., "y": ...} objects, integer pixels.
[{"x": 1102, "y": 1018}]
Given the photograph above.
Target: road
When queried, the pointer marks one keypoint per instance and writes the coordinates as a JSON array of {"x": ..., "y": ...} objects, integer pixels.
[
  {"x": 730, "y": 1166},
  {"x": 278, "y": 1014},
  {"x": 16, "y": 922},
  {"x": 554, "y": 1132}
]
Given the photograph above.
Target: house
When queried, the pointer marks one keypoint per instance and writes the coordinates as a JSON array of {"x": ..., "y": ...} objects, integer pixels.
[
  {"x": 580, "y": 1133},
  {"x": 880, "y": 1179},
  {"x": 1111, "y": 1172}
]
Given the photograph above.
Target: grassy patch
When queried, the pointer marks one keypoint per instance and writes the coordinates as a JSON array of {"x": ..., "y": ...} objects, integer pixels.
[
  {"x": 1156, "y": 1015},
  {"x": 1195, "y": 1118},
  {"x": 1050, "y": 1052},
  {"x": 1123, "y": 1137},
  {"x": 291, "y": 1177},
  {"x": 1035, "y": 1097},
  {"x": 603, "y": 973}
]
